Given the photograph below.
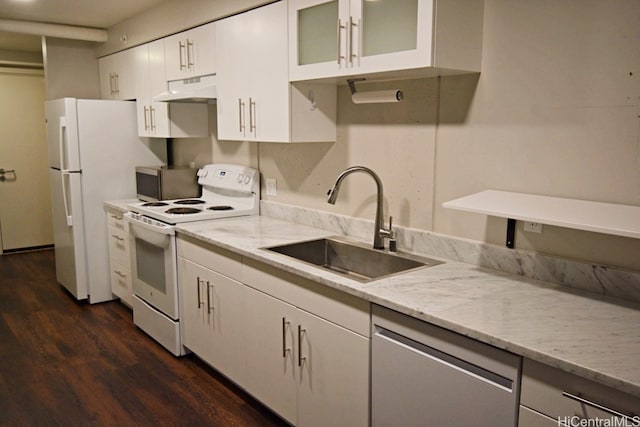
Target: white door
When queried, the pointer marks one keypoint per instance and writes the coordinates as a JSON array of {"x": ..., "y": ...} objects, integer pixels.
[{"x": 25, "y": 206}]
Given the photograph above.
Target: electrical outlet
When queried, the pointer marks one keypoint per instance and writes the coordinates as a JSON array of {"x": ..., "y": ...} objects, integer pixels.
[
  {"x": 271, "y": 187},
  {"x": 533, "y": 227}
]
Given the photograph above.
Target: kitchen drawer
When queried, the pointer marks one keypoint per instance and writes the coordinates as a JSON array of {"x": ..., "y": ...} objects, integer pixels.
[
  {"x": 121, "y": 284},
  {"x": 336, "y": 306},
  {"x": 559, "y": 394},
  {"x": 210, "y": 256},
  {"x": 116, "y": 220},
  {"x": 119, "y": 246}
]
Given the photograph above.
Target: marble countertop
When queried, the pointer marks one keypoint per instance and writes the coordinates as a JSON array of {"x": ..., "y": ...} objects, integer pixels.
[
  {"x": 119, "y": 205},
  {"x": 579, "y": 332}
]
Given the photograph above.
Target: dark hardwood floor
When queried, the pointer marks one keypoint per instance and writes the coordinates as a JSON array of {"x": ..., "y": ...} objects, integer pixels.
[{"x": 68, "y": 363}]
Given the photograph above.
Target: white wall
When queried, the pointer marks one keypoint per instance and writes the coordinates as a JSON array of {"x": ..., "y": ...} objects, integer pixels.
[
  {"x": 71, "y": 69},
  {"x": 554, "y": 112}
]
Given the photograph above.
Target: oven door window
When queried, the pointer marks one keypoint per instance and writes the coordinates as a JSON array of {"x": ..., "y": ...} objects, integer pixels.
[
  {"x": 148, "y": 258},
  {"x": 154, "y": 269}
]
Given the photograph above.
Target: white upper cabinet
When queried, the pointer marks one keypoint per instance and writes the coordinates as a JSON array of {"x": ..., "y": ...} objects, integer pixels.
[
  {"x": 331, "y": 38},
  {"x": 118, "y": 75},
  {"x": 161, "y": 119},
  {"x": 256, "y": 102},
  {"x": 190, "y": 53}
]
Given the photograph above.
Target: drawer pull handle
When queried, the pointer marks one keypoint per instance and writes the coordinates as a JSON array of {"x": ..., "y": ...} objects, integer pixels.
[
  {"x": 581, "y": 399},
  {"x": 118, "y": 217},
  {"x": 122, "y": 275},
  {"x": 117, "y": 237}
]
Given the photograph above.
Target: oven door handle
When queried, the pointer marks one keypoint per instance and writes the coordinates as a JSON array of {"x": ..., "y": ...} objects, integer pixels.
[
  {"x": 157, "y": 236},
  {"x": 153, "y": 237}
]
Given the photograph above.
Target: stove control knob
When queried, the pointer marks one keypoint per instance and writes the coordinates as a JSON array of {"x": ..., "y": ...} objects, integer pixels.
[
  {"x": 240, "y": 178},
  {"x": 246, "y": 180}
]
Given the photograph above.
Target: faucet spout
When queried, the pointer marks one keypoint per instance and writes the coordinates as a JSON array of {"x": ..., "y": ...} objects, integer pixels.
[{"x": 379, "y": 231}]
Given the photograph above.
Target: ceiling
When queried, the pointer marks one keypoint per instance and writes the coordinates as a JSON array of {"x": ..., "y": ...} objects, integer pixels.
[{"x": 87, "y": 13}]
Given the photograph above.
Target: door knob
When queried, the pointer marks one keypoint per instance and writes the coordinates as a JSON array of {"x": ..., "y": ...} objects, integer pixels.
[{"x": 3, "y": 173}]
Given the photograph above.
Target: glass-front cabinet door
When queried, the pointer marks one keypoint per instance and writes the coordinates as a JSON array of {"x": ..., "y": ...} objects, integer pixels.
[{"x": 346, "y": 37}]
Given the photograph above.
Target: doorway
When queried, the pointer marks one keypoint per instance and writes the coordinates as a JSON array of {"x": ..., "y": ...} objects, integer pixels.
[{"x": 25, "y": 204}]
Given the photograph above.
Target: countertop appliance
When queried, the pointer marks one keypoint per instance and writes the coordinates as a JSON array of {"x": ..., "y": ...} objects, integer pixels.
[
  {"x": 155, "y": 183},
  {"x": 93, "y": 148},
  {"x": 227, "y": 191}
]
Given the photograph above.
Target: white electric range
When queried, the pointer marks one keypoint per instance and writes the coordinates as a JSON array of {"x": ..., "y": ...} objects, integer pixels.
[{"x": 227, "y": 191}]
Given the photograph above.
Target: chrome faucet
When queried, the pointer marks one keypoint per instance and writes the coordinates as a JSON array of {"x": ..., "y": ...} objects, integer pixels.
[{"x": 380, "y": 233}]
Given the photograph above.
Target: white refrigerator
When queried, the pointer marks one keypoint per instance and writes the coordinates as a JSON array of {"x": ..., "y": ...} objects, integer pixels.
[{"x": 93, "y": 150}]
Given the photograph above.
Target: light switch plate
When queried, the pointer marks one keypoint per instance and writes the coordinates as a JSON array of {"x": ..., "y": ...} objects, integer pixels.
[
  {"x": 533, "y": 227},
  {"x": 271, "y": 187}
]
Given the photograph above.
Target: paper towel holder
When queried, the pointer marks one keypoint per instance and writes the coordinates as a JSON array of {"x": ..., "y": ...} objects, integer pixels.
[{"x": 373, "y": 97}]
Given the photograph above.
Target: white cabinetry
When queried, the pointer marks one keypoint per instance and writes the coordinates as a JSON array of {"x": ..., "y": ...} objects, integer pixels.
[
  {"x": 161, "y": 119},
  {"x": 307, "y": 349},
  {"x": 119, "y": 256},
  {"x": 348, "y": 37},
  {"x": 190, "y": 53},
  {"x": 549, "y": 395},
  {"x": 256, "y": 102},
  {"x": 300, "y": 347},
  {"x": 213, "y": 311},
  {"x": 118, "y": 75},
  {"x": 425, "y": 375}
]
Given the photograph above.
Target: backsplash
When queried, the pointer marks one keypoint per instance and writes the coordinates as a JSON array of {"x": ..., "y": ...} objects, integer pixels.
[{"x": 598, "y": 279}]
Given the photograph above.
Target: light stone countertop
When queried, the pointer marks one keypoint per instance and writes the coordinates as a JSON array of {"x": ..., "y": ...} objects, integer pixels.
[
  {"x": 579, "y": 332},
  {"x": 119, "y": 205}
]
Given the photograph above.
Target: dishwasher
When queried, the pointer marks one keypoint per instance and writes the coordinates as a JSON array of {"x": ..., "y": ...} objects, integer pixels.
[{"x": 424, "y": 375}]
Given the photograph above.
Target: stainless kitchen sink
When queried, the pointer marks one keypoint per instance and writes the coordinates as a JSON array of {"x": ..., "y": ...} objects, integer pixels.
[{"x": 351, "y": 259}]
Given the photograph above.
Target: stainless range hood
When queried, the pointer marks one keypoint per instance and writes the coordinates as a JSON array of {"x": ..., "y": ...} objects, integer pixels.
[{"x": 200, "y": 89}]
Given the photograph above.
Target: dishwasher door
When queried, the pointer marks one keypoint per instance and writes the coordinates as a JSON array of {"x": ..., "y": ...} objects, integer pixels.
[{"x": 423, "y": 375}]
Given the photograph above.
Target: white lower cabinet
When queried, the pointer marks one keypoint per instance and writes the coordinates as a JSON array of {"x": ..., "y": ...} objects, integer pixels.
[
  {"x": 213, "y": 310},
  {"x": 549, "y": 393},
  {"x": 307, "y": 369},
  {"x": 299, "y": 347},
  {"x": 119, "y": 258}
]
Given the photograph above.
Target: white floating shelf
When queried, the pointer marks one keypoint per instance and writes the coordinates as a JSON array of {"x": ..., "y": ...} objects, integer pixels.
[{"x": 607, "y": 218}]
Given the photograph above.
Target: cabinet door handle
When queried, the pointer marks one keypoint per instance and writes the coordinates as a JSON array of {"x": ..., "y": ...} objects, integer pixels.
[
  {"x": 117, "y": 80},
  {"x": 190, "y": 60},
  {"x": 118, "y": 217},
  {"x": 146, "y": 122},
  {"x": 115, "y": 236},
  {"x": 340, "y": 27},
  {"x": 209, "y": 305},
  {"x": 181, "y": 47},
  {"x": 122, "y": 275},
  {"x": 252, "y": 114},
  {"x": 351, "y": 54},
  {"x": 152, "y": 120},
  {"x": 300, "y": 358},
  {"x": 240, "y": 115},
  {"x": 582, "y": 400},
  {"x": 199, "y": 299},
  {"x": 111, "y": 92},
  {"x": 285, "y": 350}
]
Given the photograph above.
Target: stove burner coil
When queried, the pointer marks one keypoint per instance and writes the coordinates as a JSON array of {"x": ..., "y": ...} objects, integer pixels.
[
  {"x": 220, "y": 208},
  {"x": 182, "y": 211},
  {"x": 189, "y": 202},
  {"x": 155, "y": 204}
]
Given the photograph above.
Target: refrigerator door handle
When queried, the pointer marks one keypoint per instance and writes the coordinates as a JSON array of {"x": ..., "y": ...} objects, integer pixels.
[
  {"x": 62, "y": 127},
  {"x": 67, "y": 214}
]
